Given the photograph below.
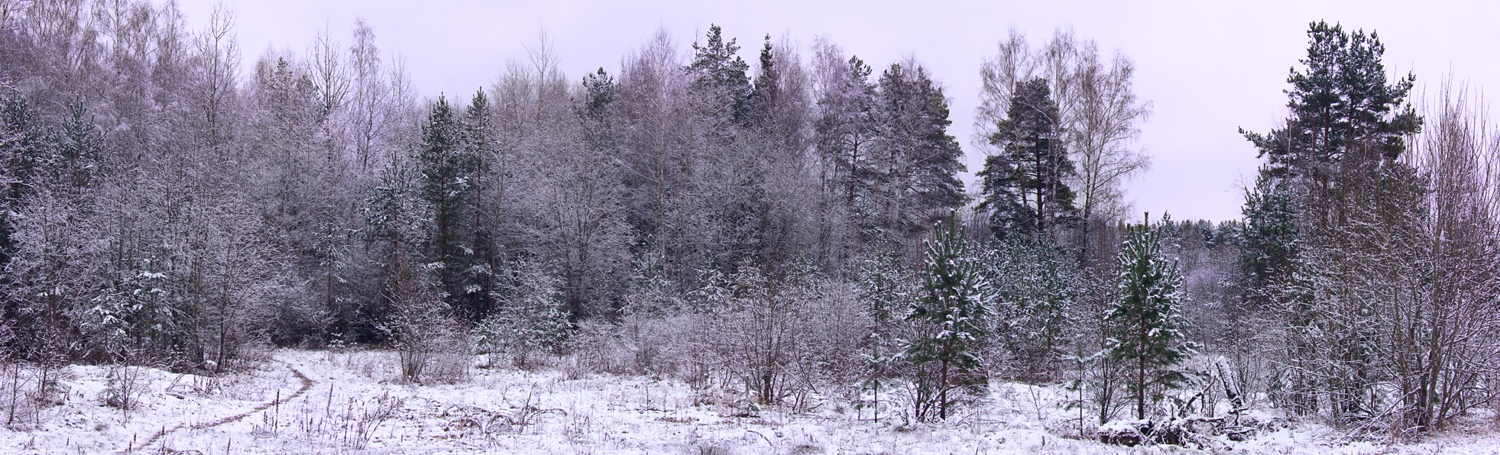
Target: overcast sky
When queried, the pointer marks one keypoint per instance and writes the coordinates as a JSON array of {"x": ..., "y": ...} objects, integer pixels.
[{"x": 1207, "y": 67}]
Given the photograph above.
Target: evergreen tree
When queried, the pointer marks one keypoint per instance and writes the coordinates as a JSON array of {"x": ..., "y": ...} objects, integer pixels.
[
  {"x": 1338, "y": 157},
  {"x": 887, "y": 290},
  {"x": 54, "y": 269},
  {"x": 1025, "y": 186},
  {"x": 845, "y": 135},
  {"x": 476, "y": 277},
  {"x": 412, "y": 314},
  {"x": 950, "y": 318},
  {"x": 1269, "y": 248},
  {"x": 913, "y": 173},
  {"x": 722, "y": 75},
  {"x": 594, "y": 113},
  {"x": 767, "y": 88},
  {"x": 1146, "y": 320},
  {"x": 847, "y": 127},
  {"x": 1342, "y": 106},
  {"x": 22, "y": 143},
  {"x": 447, "y": 168}
]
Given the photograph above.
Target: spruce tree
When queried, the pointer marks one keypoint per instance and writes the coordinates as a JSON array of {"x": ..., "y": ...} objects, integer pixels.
[
  {"x": 767, "y": 90},
  {"x": 722, "y": 75},
  {"x": 1146, "y": 319}
]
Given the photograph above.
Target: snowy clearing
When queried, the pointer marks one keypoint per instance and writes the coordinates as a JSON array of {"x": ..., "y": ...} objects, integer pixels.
[{"x": 334, "y": 403}]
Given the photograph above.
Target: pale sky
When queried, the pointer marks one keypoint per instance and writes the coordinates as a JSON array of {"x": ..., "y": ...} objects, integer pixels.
[{"x": 1208, "y": 67}]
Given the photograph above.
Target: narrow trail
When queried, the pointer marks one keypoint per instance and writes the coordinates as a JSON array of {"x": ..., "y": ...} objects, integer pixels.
[{"x": 307, "y": 384}]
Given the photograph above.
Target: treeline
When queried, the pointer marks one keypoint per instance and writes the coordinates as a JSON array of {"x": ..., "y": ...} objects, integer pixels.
[{"x": 793, "y": 230}]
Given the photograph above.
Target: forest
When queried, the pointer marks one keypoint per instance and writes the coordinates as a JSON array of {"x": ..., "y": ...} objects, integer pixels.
[{"x": 784, "y": 221}]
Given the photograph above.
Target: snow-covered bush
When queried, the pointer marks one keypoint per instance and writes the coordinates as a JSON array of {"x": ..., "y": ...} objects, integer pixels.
[
  {"x": 531, "y": 317},
  {"x": 1035, "y": 286}
]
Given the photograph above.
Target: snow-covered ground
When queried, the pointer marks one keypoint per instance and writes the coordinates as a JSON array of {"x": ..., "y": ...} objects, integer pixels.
[{"x": 334, "y": 403}]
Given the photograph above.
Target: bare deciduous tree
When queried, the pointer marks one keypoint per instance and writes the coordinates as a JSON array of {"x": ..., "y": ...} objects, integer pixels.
[{"x": 1100, "y": 115}]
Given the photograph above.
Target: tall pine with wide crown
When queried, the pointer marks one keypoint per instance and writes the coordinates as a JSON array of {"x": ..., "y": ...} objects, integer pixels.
[
  {"x": 1336, "y": 204},
  {"x": 915, "y": 170},
  {"x": 723, "y": 76},
  {"x": 1025, "y": 186}
]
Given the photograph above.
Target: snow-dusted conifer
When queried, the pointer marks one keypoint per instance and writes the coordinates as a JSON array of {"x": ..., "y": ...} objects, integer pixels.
[
  {"x": 447, "y": 170},
  {"x": 887, "y": 290},
  {"x": 1146, "y": 320},
  {"x": 949, "y": 323},
  {"x": 531, "y": 317},
  {"x": 1026, "y": 186}
]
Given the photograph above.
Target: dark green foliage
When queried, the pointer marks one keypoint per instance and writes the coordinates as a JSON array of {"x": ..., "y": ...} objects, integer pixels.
[
  {"x": 1269, "y": 248},
  {"x": 1036, "y": 292},
  {"x": 950, "y": 322},
  {"x": 599, "y": 93},
  {"x": 1334, "y": 204},
  {"x": 77, "y": 160},
  {"x": 846, "y": 133},
  {"x": 1341, "y": 105},
  {"x": 398, "y": 219},
  {"x": 448, "y": 167},
  {"x": 767, "y": 87},
  {"x": 473, "y": 290},
  {"x": 887, "y": 291},
  {"x": 1146, "y": 321},
  {"x": 1025, "y": 186},
  {"x": 722, "y": 75},
  {"x": 915, "y": 172},
  {"x": 23, "y": 148}
]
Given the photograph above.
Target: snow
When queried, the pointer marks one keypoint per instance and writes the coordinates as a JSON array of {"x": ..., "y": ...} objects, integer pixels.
[{"x": 355, "y": 405}]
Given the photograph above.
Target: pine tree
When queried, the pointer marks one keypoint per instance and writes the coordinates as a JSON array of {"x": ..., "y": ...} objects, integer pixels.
[
  {"x": 1269, "y": 249},
  {"x": 887, "y": 290},
  {"x": 413, "y": 316},
  {"x": 950, "y": 319},
  {"x": 1339, "y": 156},
  {"x": 1025, "y": 186},
  {"x": 1342, "y": 107},
  {"x": 594, "y": 113},
  {"x": 845, "y": 137},
  {"x": 476, "y": 275},
  {"x": 22, "y": 143},
  {"x": 1146, "y": 320},
  {"x": 913, "y": 173},
  {"x": 447, "y": 168}
]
